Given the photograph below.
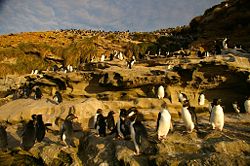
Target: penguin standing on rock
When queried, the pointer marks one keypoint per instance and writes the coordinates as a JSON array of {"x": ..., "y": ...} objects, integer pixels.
[
  {"x": 58, "y": 97},
  {"x": 217, "y": 115},
  {"x": 236, "y": 107},
  {"x": 163, "y": 124},
  {"x": 67, "y": 132},
  {"x": 28, "y": 136},
  {"x": 123, "y": 130},
  {"x": 138, "y": 130},
  {"x": 187, "y": 117},
  {"x": 201, "y": 99},
  {"x": 110, "y": 121},
  {"x": 3, "y": 138},
  {"x": 161, "y": 92},
  {"x": 40, "y": 128},
  {"x": 101, "y": 125},
  {"x": 247, "y": 105},
  {"x": 95, "y": 118},
  {"x": 38, "y": 93}
]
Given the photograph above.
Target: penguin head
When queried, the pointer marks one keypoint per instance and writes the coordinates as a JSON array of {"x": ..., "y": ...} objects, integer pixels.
[
  {"x": 39, "y": 117},
  {"x": 216, "y": 102},
  {"x": 235, "y": 102},
  {"x": 70, "y": 117},
  {"x": 164, "y": 105},
  {"x": 122, "y": 113},
  {"x": 99, "y": 111},
  {"x": 111, "y": 113},
  {"x": 186, "y": 103},
  {"x": 33, "y": 117},
  {"x": 248, "y": 97},
  {"x": 30, "y": 123},
  {"x": 134, "y": 115}
]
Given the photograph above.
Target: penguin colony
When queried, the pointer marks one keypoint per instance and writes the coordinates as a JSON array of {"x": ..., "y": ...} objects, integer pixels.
[{"x": 129, "y": 125}]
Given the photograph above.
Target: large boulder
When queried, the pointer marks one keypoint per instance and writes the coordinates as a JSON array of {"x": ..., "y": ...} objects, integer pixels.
[{"x": 22, "y": 109}]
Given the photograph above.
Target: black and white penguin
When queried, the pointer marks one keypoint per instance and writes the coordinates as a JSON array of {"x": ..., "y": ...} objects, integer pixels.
[
  {"x": 236, "y": 107},
  {"x": 163, "y": 124},
  {"x": 110, "y": 121},
  {"x": 217, "y": 115},
  {"x": 38, "y": 93},
  {"x": 247, "y": 104},
  {"x": 27, "y": 91},
  {"x": 57, "y": 97},
  {"x": 67, "y": 132},
  {"x": 225, "y": 43},
  {"x": 201, "y": 100},
  {"x": 103, "y": 58},
  {"x": 130, "y": 63},
  {"x": 137, "y": 129},
  {"x": 95, "y": 118},
  {"x": 123, "y": 130},
  {"x": 55, "y": 68},
  {"x": 111, "y": 56},
  {"x": 187, "y": 117},
  {"x": 3, "y": 138},
  {"x": 40, "y": 128},
  {"x": 182, "y": 97},
  {"x": 28, "y": 136},
  {"x": 161, "y": 92},
  {"x": 101, "y": 125},
  {"x": 217, "y": 48}
]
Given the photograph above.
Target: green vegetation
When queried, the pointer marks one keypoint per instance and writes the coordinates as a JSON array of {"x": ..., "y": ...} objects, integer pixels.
[{"x": 80, "y": 52}]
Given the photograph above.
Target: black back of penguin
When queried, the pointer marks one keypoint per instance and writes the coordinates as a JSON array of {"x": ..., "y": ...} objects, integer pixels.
[
  {"x": 28, "y": 136},
  {"x": 110, "y": 121},
  {"x": 67, "y": 129},
  {"x": 3, "y": 138},
  {"x": 101, "y": 123},
  {"x": 40, "y": 128},
  {"x": 140, "y": 129},
  {"x": 123, "y": 127},
  {"x": 38, "y": 93},
  {"x": 158, "y": 121}
]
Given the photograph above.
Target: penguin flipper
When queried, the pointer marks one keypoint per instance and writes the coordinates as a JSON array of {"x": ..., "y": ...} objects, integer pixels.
[
  {"x": 140, "y": 129},
  {"x": 193, "y": 114},
  {"x": 48, "y": 124},
  {"x": 158, "y": 120},
  {"x": 171, "y": 126},
  {"x": 62, "y": 131}
]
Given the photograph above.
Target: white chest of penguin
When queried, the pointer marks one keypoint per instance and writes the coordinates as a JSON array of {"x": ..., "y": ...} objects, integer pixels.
[
  {"x": 186, "y": 116},
  {"x": 217, "y": 114}
]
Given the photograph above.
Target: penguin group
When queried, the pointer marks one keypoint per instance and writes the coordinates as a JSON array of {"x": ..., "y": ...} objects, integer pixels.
[
  {"x": 33, "y": 131},
  {"x": 130, "y": 62},
  {"x": 102, "y": 123}
]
